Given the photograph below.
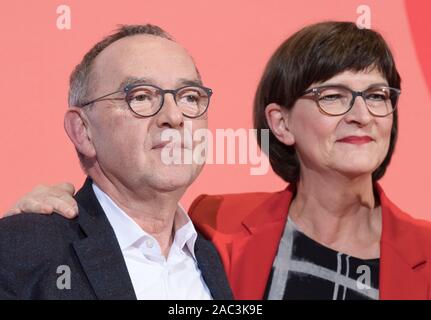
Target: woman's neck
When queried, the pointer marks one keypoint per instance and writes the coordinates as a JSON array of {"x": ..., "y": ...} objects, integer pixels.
[{"x": 339, "y": 213}]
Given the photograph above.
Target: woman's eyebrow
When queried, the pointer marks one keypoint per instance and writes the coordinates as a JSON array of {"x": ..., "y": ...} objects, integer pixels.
[{"x": 331, "y": 84}]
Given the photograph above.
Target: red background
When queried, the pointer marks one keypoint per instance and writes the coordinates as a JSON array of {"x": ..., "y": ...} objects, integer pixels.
[{"x": 231, "y": 42}]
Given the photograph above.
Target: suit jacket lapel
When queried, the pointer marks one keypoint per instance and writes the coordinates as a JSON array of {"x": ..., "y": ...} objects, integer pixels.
[
  {"x": 99, "y": 252},
  {"x": 212, "y": 270}
]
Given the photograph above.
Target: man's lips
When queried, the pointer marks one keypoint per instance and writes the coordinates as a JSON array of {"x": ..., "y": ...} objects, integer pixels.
[
  {"x": 356, "y": 139},
  {"x": 169, "y": 144}
]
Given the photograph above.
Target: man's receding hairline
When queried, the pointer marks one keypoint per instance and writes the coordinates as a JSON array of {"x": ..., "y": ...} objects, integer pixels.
[
  {"x": 93, "y": 73},
  {"x": 131, "y": 37}
]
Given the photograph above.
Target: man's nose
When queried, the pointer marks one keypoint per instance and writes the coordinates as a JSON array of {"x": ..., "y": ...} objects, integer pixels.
[
  {"x": 170, "y": 115},
  {"x": 359, "y": 112}
]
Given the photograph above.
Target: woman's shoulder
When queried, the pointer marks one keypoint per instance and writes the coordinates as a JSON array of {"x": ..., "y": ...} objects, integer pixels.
[
  {"x": 399, "y": 222},
  {"x": 421, "y": 226}
]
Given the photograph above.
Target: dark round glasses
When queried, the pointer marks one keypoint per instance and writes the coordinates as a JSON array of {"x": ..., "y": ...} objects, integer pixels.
[{"x": 146, "y": 100}]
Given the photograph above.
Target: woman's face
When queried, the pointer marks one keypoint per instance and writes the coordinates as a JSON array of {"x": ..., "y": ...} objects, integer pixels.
[{"x": 352, "y": 144}]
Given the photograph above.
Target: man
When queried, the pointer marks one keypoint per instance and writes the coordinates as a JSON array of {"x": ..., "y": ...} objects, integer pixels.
[{"x": 131, "y": 238}]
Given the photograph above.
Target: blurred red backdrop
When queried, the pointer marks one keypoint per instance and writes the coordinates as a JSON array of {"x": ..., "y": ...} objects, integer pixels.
[{"x": 231, "y": 42}]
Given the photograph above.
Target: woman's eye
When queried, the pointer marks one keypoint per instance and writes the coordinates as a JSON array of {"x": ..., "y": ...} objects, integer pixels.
[
  {"x": 330, "y": 97},
  {"x": 377, "y": 96}
]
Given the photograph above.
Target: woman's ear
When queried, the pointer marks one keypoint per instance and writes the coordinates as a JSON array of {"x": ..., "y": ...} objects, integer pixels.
[
  {"x": 278, "y": 121},
  {"x": 77, "y": 128}
]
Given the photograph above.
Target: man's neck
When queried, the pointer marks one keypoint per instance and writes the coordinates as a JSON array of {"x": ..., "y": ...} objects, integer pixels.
[{"x": 153, "y": 211}]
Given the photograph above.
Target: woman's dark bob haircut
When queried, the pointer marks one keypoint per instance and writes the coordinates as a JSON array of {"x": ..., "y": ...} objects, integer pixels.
[{"x": 315, "y": 54}]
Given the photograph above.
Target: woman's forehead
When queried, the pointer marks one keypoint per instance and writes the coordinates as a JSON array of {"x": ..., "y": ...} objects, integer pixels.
[{"x": 356, "y": 78}]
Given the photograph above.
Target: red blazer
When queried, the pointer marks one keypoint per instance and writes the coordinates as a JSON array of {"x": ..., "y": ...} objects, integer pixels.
[{"x": 246, "y": 230}]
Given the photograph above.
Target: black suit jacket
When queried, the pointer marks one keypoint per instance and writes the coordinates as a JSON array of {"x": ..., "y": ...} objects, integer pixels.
[{"x": 36, "y": 250}]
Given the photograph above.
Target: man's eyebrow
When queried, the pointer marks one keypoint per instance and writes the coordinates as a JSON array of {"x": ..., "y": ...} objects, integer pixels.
[
  {"x": 188, "y": 82},
  {"x": 136, "y": 80},
  {"x": 133, "y": 80}
]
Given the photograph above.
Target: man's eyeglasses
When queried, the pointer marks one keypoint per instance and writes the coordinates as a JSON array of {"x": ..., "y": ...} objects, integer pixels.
[
  {"x": 338, "y": 100},
  {"x": 146, "y": 100}
]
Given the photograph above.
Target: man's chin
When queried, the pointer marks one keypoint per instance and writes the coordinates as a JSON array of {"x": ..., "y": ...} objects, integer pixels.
[{"x": 174, "y": 178}]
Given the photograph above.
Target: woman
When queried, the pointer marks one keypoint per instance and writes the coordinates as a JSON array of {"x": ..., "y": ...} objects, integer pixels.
[{"x": 328, "y": 96}]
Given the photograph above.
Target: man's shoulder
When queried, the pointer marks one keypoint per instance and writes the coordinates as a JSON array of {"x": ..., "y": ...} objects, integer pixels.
[
  {"x": 225, "y": 212},
  {"x": 45, "y": 226},
  {"x": 32, "y": 223},
  {"x": 25, "y": 232},
  {"x": 35, "y": 250}
]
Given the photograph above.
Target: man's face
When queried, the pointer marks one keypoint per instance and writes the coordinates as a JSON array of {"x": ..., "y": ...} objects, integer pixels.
[{"x": 127, "y": 146}]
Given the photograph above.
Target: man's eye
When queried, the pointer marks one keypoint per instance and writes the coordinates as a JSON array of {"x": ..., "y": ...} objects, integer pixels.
[
  {"x": 142, "y": 97},
  {"x": 190, "y": 98}
]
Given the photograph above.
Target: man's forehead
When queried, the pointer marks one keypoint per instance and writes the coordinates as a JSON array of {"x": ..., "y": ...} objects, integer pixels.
[
  {"x": 140, "y": 41},
  {"x": 147, "y": 57}
]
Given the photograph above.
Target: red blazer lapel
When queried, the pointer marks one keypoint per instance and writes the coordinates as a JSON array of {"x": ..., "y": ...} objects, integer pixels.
[
  {"x": 252, "y": 259},
  {"x": 399, "y": 279},
  {"x": 253, "y": 253},
  {"x": 248, "y": 246},
  {"x": 404, "y": 270}
]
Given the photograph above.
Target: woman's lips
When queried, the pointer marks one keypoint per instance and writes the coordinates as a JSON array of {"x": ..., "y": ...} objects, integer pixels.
[{"x": 356, "y": 139}]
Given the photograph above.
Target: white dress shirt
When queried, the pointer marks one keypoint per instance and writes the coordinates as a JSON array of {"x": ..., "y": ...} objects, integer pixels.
[{"x": 154, "y": 276}]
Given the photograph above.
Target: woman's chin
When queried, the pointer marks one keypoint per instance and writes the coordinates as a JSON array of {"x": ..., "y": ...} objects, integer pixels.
[{"x": 356, "y": 172}]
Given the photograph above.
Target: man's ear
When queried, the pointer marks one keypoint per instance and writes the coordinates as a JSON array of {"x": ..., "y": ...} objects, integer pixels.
[
  {"x": 278, "y": 121},
  {"x": 76, "y": 126}
]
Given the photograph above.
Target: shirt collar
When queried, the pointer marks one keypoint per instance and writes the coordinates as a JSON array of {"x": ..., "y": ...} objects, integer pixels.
[{"x": 128, "y": 232}]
